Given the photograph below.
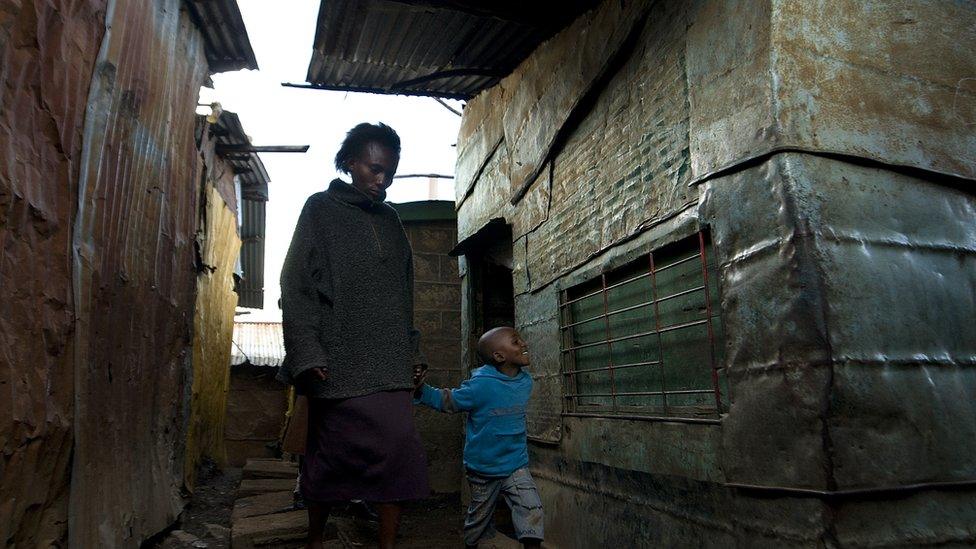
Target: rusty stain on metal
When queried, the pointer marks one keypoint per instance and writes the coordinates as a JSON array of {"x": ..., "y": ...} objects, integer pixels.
[
  {"x": 133, "y": 275},
  {"x": 47, "y": 61},
  {"x": 98, "y": 210}
]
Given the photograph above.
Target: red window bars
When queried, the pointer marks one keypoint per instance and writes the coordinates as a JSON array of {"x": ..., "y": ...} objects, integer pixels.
[{"x": 643, "y": 340}]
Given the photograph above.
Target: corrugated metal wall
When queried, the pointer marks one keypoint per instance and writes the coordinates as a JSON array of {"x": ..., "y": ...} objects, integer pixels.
[
  {"x": 828, "y": 149},
  {"x": 99, "y": 191},
  {"x": 134, "y": 276},
  {"x": 252, "y": 254}
]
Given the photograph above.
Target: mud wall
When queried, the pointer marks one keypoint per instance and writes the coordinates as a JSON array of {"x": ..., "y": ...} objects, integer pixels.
[
  {"x": 828, "y": 149},
  {"x": 99, "y": 195},
  {"x": 219, "y": 244}
]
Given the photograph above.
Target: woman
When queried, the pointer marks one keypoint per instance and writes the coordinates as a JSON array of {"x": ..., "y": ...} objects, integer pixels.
[{"x": 347, "y": 307}]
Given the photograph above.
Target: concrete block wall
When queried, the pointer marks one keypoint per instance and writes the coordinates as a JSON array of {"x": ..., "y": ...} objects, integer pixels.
[
  {"x": 437, "y": 315},
  {"x": 828, "y": 149}
]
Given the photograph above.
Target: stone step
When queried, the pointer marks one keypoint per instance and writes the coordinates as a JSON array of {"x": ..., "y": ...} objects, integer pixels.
[
  {"x": 262, "y": 504},
  {"x": 255, "y": 486},
  {"x": 278, "y": 531},
  {"x": 270, "y": 468}
]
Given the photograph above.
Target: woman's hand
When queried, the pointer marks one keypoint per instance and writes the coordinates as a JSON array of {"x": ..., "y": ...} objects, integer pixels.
[
  {"x": 419, "y": 376},
  {"x": 314, "y": 374}
]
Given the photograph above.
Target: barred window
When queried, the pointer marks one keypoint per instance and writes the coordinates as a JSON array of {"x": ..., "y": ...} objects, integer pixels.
[{"x": 645, "y": 339}]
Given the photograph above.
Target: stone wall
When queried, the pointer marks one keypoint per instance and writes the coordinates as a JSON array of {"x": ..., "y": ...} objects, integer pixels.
[{"x": 827, "y": 148}]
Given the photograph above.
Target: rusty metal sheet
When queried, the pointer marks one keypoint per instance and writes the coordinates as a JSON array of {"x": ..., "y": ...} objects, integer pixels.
[
  {"x": 848, "y": 298},
  {"x": 489, "y": 197},
  {"x": 213, "y": 328},
  {"x": 893, "y": 81},
  {"x": 134, "y": 276},
  {"x": 480, "y": 135},
  {"x": 626, "y": 167},
  {"x": 47, "y": 51},
  {"x": 729, "y": 83},
  {"x": 623, "y": 169},
  {"x": 887, "y": 81},
  {"x": 558, "y": 75}
]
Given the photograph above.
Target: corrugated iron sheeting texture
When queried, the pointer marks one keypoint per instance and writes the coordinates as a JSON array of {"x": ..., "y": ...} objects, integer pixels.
[
  {"x": 213, "y": 328},
  {"x": 257, "y": 343},
  {"x": 47, "y": 52},
  {"x": 378, "y": 45},
  {"x": 228, "y": 47},
  {"x": 134, "y": 276},
  {"x": 252, "y": 254}
]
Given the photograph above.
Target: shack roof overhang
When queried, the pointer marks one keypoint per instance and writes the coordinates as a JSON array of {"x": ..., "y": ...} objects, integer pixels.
[
  {"x": 254, "y": 178},
  {"x": 225, "y": 37},
  {"x": 440, "y": 48}
]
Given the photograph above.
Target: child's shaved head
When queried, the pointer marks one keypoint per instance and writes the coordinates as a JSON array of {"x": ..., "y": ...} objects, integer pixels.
[{"x": 490, "y": 341}]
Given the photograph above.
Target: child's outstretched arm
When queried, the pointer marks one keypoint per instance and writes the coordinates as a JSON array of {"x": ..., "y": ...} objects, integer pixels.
[{"x": 462, "y": 399}]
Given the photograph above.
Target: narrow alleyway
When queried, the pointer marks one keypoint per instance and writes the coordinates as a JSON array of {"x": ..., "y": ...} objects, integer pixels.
[{"x": 252, "y": 507}]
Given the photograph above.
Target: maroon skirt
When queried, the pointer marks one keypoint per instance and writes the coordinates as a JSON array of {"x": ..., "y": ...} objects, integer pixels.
[{"x": 364, "y": 448}]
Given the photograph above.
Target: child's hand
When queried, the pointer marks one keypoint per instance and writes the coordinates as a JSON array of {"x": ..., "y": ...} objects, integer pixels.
[{"x": 419, "y": 376}]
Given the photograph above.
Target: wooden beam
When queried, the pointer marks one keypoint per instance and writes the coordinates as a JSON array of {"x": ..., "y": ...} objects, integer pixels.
[{"x": 247, "y": 148}]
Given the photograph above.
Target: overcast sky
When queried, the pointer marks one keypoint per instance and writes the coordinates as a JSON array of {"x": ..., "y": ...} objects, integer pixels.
[{"x": 281, "y": 34}]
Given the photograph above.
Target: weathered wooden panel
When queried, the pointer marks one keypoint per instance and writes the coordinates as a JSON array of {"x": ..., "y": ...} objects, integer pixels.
[
  {"x": 213, "y": 329},
  {"x": 47, "y": 51},
  {"x": 134, "y": 276}
]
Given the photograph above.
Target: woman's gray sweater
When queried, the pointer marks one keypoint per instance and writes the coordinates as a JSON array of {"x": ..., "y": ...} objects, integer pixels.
[{"x": 347, "y": 297}]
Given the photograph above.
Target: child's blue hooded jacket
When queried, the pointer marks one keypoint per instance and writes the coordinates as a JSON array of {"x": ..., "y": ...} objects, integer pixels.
[{"x": 494, "y": 444}]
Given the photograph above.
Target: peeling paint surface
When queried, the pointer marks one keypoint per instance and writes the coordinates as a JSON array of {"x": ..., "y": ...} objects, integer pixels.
[{"x": 213, "y": 329}]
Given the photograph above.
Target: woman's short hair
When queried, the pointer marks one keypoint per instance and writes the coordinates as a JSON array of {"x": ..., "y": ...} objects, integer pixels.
[{"x": 357, "y": 139}]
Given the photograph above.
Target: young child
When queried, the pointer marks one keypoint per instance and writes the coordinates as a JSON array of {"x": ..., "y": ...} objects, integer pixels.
[{"x": 495, "y": 453}]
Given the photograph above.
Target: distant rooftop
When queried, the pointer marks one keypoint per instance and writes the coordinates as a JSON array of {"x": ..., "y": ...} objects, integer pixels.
[{"x": 258, "y": 344}]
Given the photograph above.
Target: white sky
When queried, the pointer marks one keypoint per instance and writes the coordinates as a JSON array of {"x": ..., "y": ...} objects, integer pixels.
[{"x": 281, "y": 34}]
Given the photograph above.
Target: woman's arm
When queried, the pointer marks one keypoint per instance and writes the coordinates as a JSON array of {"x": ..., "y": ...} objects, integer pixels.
[{"x": 301, "y": 299}]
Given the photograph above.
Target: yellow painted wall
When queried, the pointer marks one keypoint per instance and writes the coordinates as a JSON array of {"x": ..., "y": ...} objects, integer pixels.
[{"x": 213, "y": 329}]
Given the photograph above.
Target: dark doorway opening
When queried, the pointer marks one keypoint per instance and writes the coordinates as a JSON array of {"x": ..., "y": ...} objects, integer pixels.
[{"x": 491, "y": 292}]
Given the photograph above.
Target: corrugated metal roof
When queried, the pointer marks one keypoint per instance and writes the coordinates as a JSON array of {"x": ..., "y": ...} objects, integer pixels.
[
  {"x": 227, "y": 45},
  {"x": 442, "y": 48},
  {"x": 251, "y": 287},
  {"x": 254, "y": 177},
  {"x": 258, "y": 343}
]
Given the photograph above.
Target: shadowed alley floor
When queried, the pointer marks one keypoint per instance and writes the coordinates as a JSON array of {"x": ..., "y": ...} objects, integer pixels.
[{"x": 252, "y": 508}]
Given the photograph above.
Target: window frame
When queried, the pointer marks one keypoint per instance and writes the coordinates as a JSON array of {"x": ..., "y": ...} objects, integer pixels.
[{"x": 569, "y": 371}]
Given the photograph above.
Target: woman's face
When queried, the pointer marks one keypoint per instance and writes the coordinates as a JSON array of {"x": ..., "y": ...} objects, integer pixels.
[{"x": 372, "y": 171}]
